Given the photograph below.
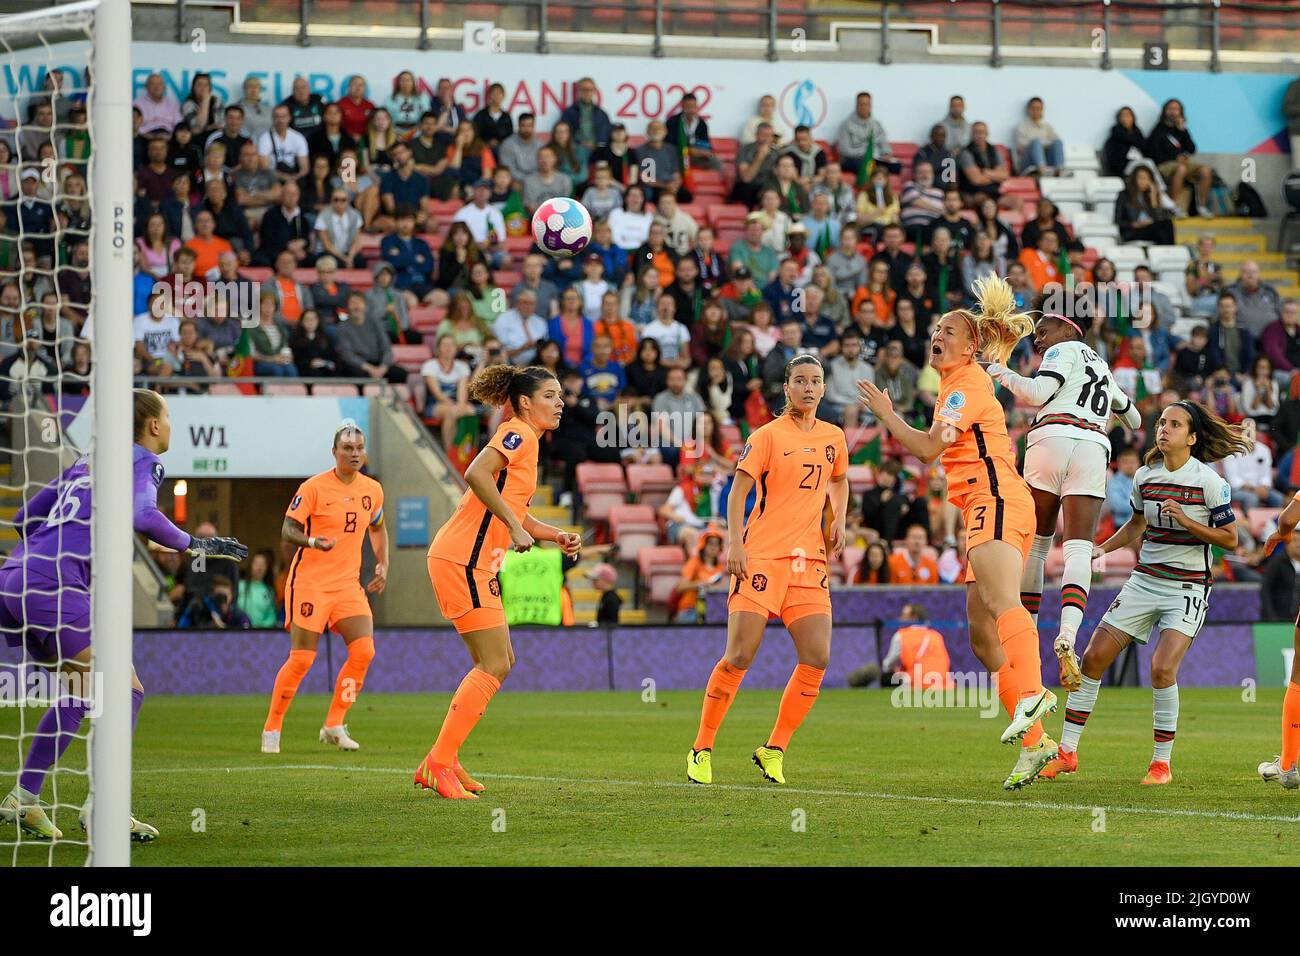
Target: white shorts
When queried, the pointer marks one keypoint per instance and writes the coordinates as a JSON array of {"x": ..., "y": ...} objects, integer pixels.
[
  {"x": 1146, "y": 602},
  {"x": 1067, "y": 466}
]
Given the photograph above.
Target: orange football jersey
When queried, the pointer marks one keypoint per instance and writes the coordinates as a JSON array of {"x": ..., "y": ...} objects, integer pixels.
[
  {"x": 475, "y": 537},
  {"x": 981, "y": 459},
  {"x": 791, "y": 469},
  {"x": 328, "y": 508}
]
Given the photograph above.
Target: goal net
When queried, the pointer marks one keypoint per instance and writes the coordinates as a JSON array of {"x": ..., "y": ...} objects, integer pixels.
[{"x": 65, "y": 314}]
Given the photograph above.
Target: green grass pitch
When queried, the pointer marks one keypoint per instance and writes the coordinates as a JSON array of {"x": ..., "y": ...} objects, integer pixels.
[{"x": 599, "y": 778}]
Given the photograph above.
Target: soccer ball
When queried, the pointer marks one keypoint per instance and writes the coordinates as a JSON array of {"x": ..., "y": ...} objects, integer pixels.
[{"x": 562, "y": 227}]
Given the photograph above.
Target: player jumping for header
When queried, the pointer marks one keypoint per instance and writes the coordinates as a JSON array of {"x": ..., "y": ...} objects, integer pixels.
[{"x": 1066, "y": 465}]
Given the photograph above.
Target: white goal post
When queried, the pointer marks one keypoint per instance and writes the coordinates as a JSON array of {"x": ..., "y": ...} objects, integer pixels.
[{"x": 107, "y": 25}]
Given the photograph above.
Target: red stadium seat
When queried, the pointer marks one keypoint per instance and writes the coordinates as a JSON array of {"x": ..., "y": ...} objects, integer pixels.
[
  {"x": 405, "y": 355},
  {"x": 225, "y": 388},
  {"x": 650, "y": 484},
  {"x": 337, "y": 389},
  {"x": 602, "y": 486},
  {"x": 861, "y": 477},
  {"x": 659, "y": 568},
  {"x": 284, "y": 388},
  {"x": 633, "y": 528}
]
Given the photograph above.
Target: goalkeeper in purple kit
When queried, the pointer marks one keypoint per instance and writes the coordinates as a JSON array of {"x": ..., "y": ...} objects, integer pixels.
[{"x": 45, "y": 599}]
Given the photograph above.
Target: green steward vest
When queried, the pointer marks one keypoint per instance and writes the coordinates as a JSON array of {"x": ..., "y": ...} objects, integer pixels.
[{"x": 530, "y": 586}]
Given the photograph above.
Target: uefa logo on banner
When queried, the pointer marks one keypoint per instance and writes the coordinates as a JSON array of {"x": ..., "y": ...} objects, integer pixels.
[{"x": 803, "y": 103}]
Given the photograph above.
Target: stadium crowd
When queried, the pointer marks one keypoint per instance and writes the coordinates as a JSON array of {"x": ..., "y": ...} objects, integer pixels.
[{"x": 388, "y": 240}]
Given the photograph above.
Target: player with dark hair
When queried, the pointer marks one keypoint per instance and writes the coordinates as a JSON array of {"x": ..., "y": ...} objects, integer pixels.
[
  {"x": 327, "y": 519},
  {"x": 777, "y": 561},
  {"x": 491, "y": 519},
  {"x": 45, "y": 600},
  {"x": 1181, "y": 509},
  {"x": 1066, "y": 465}
]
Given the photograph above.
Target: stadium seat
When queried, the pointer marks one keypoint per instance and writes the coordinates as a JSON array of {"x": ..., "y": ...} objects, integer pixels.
[
  {"x": 405, "y": 355},
  {"x": 861, "y": 477},
  {"x": 1062, "y": 189},
  {"x": 650, "y": 484},
  {"x": 1127, "y": 257},
  {"x": 851, "y": 560},
  {"x": 659, "y": 568},
  {"x": 1081, "y": 156},
  {"x": 225, "y": 388},
  {"x": 1103, "y": 188},
  {"x": 1168, "y": 258},
  {"x": 633, "y": 528},
  {"x": 1258, "y": 521},
  {"x": 602, "y": 486},
  {"x": 284, "y": 388},
  {"x": 336, "y": 389}
]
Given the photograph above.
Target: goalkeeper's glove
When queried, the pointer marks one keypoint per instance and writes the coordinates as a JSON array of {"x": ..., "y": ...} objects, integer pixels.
[{"x": 219, "y": 548}]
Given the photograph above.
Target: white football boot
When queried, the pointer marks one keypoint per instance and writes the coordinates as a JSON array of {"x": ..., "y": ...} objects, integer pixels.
[
  {"x": 270, "y": 741},
  {"x": 338, "y": 736}
]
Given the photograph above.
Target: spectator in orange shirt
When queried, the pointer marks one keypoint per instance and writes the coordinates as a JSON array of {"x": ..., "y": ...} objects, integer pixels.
[
  {"x": 207, "y": 245},
  {"x": 704, "y": 568},
  {"x": 917, "y": 654},
  {"x": 912, "y": 565},
  {"x": 1043, "y": 262}
]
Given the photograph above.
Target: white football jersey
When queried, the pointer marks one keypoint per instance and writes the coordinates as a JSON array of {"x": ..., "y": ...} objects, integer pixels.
[
  {"x": 1169, "y": 551},
  {"x": 1082, "y": 405}
]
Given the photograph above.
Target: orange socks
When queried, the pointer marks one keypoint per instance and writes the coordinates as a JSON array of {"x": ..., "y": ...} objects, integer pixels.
[
  {"x": 351, "y": 676},
  {"x": 1009, "y": 694},
  {"x": 1019, "y": 639},
  {"x": 800, "y": 695},
  {"x": 286, "y": 685},
  {"x": 718, "y": 694},
  {"x": 467, "y": 707},
  {"x": 1290, "y": 725}
]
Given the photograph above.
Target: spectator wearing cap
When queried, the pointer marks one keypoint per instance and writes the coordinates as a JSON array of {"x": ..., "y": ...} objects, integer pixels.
[
  {"x": 285, "y": 226},
  {"x": 364, "y": 348},
  {"x": 1038, "y": 148},
  {"x": 518, "y": 151},
  {"x": 338, "y": 230},
  {"x": 411, "y": 258},
  {"x": 657, "y": 165},
  {"x": 751, "y": 252},
  {"x": 329, "y": 296},
  {"x": 740, "y": 295},
  {"x": 159, "y": 111},
  {"x": 754, "y": 165},
  {"x": 547, "y": 182},
  {"x": 1258, "y": 302},
  {"x": 589, "y": 123},
  {"x": 798, "y": 252},
  {"x": 980, "y": 168},
  {"x": 680, "y": 229},
  {"x": 386, "y": 305},
  {"x": 604, "y": 579},
  {"x": 486, "y": 224},
  {"x": 859, "y": 132},
  {"x": 31, "y": 215},
  {"x": 687, "y": 128},
  {"x": 602, "y": 195}
]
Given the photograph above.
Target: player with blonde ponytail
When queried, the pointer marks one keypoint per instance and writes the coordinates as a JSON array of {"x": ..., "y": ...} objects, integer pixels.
[{"x": 969, "y": 436}]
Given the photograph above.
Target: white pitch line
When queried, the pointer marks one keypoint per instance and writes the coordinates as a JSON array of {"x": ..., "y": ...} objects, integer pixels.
[{"x": 853, "y": 794}]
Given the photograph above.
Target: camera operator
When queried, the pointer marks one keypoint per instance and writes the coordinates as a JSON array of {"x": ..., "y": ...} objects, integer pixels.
[{"x": 217, "y": 609}]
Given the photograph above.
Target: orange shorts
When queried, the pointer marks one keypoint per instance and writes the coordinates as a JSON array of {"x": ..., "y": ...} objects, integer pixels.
[
  {"x": 468, "y": 597},
  {"x": 315, "y": 611},
  {"x": 776, "y": 589},
  {"x": 998, "y": 519}
]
